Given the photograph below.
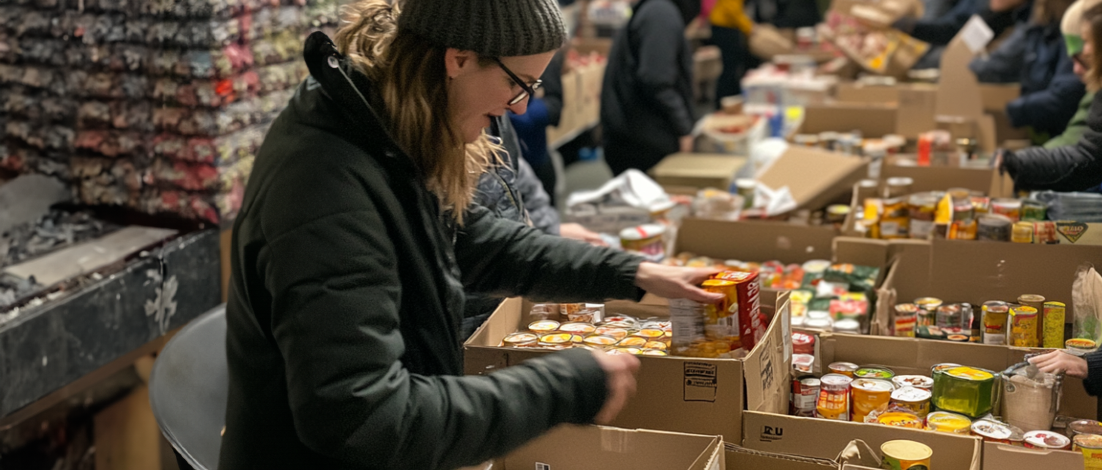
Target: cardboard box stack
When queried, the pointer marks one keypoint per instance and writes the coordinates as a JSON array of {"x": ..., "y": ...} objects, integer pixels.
[{"x": 159, "y": 107}]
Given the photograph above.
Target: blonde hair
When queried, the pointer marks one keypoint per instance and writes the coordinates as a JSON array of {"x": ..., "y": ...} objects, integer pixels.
[{"x": 411, "y": 77}]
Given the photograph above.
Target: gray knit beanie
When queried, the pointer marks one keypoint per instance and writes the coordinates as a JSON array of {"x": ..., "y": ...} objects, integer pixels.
[{"x": 493, "y": 28}]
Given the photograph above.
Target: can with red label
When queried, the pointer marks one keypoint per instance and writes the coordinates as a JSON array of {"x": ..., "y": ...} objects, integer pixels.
[
  {"x": 805, "y": 392},
  {"x": 747, "y": 304},
  {"x": 803, "y": 343}
]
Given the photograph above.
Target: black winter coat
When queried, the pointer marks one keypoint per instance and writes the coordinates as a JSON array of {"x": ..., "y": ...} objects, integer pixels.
[
  {"x": 347, "y": 292},
  {"x": 1073, "y": 168}
]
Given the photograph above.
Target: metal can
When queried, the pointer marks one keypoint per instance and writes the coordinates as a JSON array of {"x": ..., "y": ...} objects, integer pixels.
[
  {"x": 1022, "y": 232},
  {"x": 901, "y": 419},
  {"x": 874, "y": 373},
  {"x": 1044, "y": 233},
  {"x": 803, "y": 363},
  {"x": 914, "y": 399},
  {"x": 927, "y": 310},
  {"x": 923, "y": 207},
  {"x": 1079, "y": 346},
  {"x": 543, "y": 326},
  {"x": 645, "y": 239},
  {"x": 577, "y": 328},
  {"x": 995, "y": 316},
  {"x": 916, "y": 381},
  {"x": 657, "y": 345},
  {"x": 992, "y": 431},
  {"x": 1054, "y": 317},
  {"x": 1083, "y": 426},
  {"x": 1090, "y": 445},
  {"x": 1047, "y": 440},
  {"x": 632, "y": 342},
  {"x": 556, "y": 339},
  {"x": 949, "y": 317},
  {"x": 1023, "y": 327},
  {"x": 1033, "y": 210},
  {"x": 521, "y": 340},
  {"x": 803, "y": 343},
  {"x": 615, "y": 332},
  {"x": 599, "y": 340},
  {"x": 906, "y": 455},
  {"x": 899, "y": 187},
  {"x": 906, "y": 318},
  {"x": 950, "y": 423},
  {"x": 870, "y": 395},
  {"x": 843, "y": 368},
  {"x": 1038, "y": 303},
  {"x": 995, "y": 228},
  {"x": 805, "y": 393},
  {"x": 1009, "y": 208},
  {"x": 833, "y": 402}
]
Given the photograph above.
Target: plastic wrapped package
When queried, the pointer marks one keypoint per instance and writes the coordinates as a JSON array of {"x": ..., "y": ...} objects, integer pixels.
[
  {"x": 219, "y": 151},
  {"x": 182, "y": 203},
  {"x": 40, "y": 136},
  {"x": 132, "y": 115},
  {"x": 322, "y": 12},
  {"x": 44, "y": 78},
  {"x": 210, "y": 93},
  {"x": 20, "y": 159},
  {"x": 197, "y": 176},
  {"x": 107, "y": 181},
  {"x": 282, "y": 76},
  {"x": 202, "y": 121},
  {"x": 112, "y": 143},
  {"x": 112, "y": 85},
  {"x": 284, "y": 46},
  {"x": 36, "y": 106},
  {"x": 200, "y": 63}
]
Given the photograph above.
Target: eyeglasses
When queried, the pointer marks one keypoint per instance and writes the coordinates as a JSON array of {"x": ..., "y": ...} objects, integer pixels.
[{"x": 526, "y": 89}]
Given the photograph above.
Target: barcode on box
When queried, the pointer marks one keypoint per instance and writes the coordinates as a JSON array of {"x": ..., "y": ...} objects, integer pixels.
[{"x": 542, "y": 466}]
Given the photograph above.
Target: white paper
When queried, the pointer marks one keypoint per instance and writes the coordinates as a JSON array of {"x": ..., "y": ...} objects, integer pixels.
[
  {"x": 632, "y": 188},
  {"x": 774, "y": 202},
  {"x": 976, "y": 34}
]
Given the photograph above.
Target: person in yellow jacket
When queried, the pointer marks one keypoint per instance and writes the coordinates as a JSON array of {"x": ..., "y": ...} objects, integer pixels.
[{"x": 731, "y": 28}]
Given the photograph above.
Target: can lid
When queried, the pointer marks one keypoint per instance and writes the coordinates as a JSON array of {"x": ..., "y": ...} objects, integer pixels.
[
  {"x": 873, "y": 385},
  {"x": 900, "y": 181},
  {"x": 810, "y": 382},
  {"x": 911, "y": 394},
  {"x": 992, "y": 429},
  {"x": 746, "y": 183},
  {"x": 835, "y": 379},
  {"x": 642, "y": 232},
  {"x": 906, "y": 450},
  {"x": 1047, "y": 439},
  {"x": 1092, "y": 441},
  {"x": 1054, "y": 304},
  {"x": 1031, "y": 298}
]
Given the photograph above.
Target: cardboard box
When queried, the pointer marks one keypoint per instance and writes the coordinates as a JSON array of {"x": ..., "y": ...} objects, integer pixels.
[
  {"x": 825, "y": 439},
  {"x": 1006, "y": 457},
  {"x": 697, "y": 170},
  {"x": 599, "y": 448},
  {"x": 607, "y": 219},
  {"x": 871, "y": 119},
  {"x": 692, "y": 395},
  {"x": 932, "y": 178},
  {"x": 910, "y": 356},
  {"x": 1078, "y": 233},
  {"x": 915, "y": 103},
  {"x": 739, "y": 457},
  {"x": 995, "y": 96},
  {"x": 815, "y": 177}
]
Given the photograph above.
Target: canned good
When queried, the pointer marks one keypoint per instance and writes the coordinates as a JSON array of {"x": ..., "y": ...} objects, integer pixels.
[
  {"x": 1080, "y": 346},
  {"x": 901, "y": 419},
  {"x": 1033, "y": 210},
  {"x": 833, "y": 402},
  {"x": 746, "y": 188},
  {"x": 600, "y": 340},
  {"x": 914, "y": 399},
  {"x": 650, "y": 333},
  {"x": 916, "y": 381},
  {"x": 874, "y": 373},
  {"x": 1044, "y": 233},
  {"x": 847, "y": 326},
  {"x": 1047, "y": 440},
  {"x": 1022, "y": 232},
  {"x": 1038, "y": 303},
  {"x": 1023, "y": 327},
  {"x": 995, "y": 316},
  {"x": 843, "y": 368},
  {"x": 923, "y": 207},
  {"x": 950, "y": 423},
  {"x": 964, "y": 390},
  {"x": 556, "y": 339},
  {"x": 899, "y": 187},
  {"x": 995, "y": 228},
  {"x": 905, "y": 455},
  {"x": 992, "y": 431},
  {"x": 927, "y": 310},
  {"x": 543, "y": 326},
  {"x": 614, "y": 332},
  {"x": 656, "y": 345},
  {"x": 1009, "y": 208},
  {"x": 632, "y": 342},
  {"x": 905, "y": 320},
  {"x": 645, "y": 239},
  {"x": 803, "y": 343},
  {"x": 655, "y": 352},
  {"x": 1090, "y": 445},
  {"x": 577, "y": 328},
  {"x": 803, "y": 363},
  {"x": 943, "y": 367},
  {"x": 870, "y": 395},
  {"x": 1054, "y": 317},
  {"x": 521, "y": 340},
  {"x": 837, "y": 213},
  {"x": 822, "y": 324},
  {"x": 1084, "y": 426},
  {"x": 949, "y": 316},
  {"x": 805, "y": 393}
]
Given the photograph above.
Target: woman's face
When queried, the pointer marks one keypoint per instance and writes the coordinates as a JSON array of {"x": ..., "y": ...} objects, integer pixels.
[
  {"x": 1082, "y": 62},
  {"x": 476, "y": 92}
]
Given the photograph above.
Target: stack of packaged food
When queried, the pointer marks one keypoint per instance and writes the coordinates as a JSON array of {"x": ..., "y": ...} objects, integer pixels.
[{"x": 159, "y": 106}]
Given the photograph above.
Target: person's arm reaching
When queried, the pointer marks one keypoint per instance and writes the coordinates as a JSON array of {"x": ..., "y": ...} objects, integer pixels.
[
  {"x": 1052, "y": 107},
  {"x": 1073, "y": 168}
]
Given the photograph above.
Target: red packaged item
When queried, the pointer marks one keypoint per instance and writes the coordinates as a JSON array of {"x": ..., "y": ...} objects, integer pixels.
[{"x": 751, "y": 324}]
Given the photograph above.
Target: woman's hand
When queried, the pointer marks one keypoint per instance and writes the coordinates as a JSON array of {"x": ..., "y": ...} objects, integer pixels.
[
  {"x": 620, "y": 371},
  {"x": 674, "y": 282},
  {"x": 1060, "y": 361}
]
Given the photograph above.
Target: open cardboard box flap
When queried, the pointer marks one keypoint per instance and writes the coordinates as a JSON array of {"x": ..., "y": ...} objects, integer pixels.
[
  {"x": 754, "y": 240},
  {"x": 692, "y": 395},
  {"x": 598, "y": 447},
  {"x": 697, "y": 170},
  {"x": 814, "y": 177},
  {"x": 819, "y": 438},
  {"x": 739, "y": 457},
  {"x": 1008, "y": 457}
]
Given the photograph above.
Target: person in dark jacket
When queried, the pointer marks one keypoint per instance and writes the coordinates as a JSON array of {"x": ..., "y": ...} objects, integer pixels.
[
  {"x": 647, "y": 95},
  {"x": 998, "y": 14},
  {"x": 1036, "y": 56},
  {"x": 1072, "y": 168},
  {"x": 531, "y": 127},
  {"x": 1088, "y": 368},
  {"x": 357, "y": 237}
]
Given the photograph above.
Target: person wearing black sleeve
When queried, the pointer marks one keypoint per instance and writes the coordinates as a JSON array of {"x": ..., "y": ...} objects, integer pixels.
[
  {"x": 647, "y": 96},
  {"x": 1088, "y": 368}
]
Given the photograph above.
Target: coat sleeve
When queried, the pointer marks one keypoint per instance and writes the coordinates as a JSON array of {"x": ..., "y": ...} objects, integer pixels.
[
  {"x": 506, "y": 258},
  {"x": 1072, "y": 168},
  {"x": 1093, "y": 382},
  {"x": 660, "y": 35},
  {"x": 334, "y": 278},
  {"x": 1050, "y": 109},
  {"x": 536, "y": 201},
  {"x": 1004, "y": 64}
]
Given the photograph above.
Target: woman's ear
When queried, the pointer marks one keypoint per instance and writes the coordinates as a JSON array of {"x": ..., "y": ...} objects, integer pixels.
[{"x": 457, "y": 62}]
